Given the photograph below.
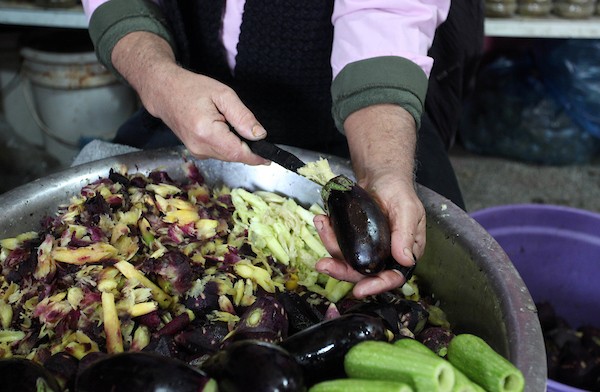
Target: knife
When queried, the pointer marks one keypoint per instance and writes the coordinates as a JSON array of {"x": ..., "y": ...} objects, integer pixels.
[
  {"x": 272, "y": 152},
  {"x": 275, "y": 154}
]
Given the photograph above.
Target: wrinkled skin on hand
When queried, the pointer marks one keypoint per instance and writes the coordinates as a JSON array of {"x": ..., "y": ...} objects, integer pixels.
[
  {"x": 197, "y": 108},
  {"x": 382, "y": 140}
]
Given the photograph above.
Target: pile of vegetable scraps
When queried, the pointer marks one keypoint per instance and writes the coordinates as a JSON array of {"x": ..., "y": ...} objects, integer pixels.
[
  {"x": 144, "y": 283},
  {"x": 132, "y": 254}
]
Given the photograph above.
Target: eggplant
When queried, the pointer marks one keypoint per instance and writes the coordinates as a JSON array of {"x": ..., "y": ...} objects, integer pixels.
[
  {"x": 64, "y": 367},
  {"x": 23, "y": 375},
  {"x": 301, "y": 314},
  {"x": 266, "y": 319},
  {"x": 320, "y": 349},
  {"x": 164, "y": 345},
  {"x": 360, "y": 226},
  {"x": 140, "y": 372},
  {"x": 399, "y": 314},
  {"x": 386, "y": 312},
  {"x": 414, "y": 315},
  {"x": 577, "y": 367},
  {"x": 254, "y": 365},
  {"x": 205, "y": 338},
  {"x": 590, "y": 339},
  {"x": 436, "y": 338}
]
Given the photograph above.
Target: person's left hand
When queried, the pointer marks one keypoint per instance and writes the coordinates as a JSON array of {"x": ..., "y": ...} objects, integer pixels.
[
  {"x": 404, "y": 209},
  {"x": 383, "y": 161}
]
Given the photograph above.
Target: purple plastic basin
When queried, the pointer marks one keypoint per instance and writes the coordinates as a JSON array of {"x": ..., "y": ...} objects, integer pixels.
[{"x": 556, "y": 250}]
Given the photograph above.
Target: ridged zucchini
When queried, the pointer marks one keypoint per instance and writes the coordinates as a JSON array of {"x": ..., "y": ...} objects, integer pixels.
[
  {"x": 478, "y": 361},
  {"x": 360, "y": 385},
  {"x": 461, "y": 382},
  {"x": 383, "y": 361}
]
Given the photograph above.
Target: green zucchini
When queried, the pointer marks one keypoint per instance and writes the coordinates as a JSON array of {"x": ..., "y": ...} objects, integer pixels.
[
  {"x": 360, "y": 385},
  {"x": 375, "y": 360},
  {"x": 462, "y": 383},
  {"x": 478, "y": 361}
]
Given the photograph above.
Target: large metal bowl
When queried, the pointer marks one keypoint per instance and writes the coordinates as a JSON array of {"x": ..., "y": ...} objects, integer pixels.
[{"x": 470, "y": 274}]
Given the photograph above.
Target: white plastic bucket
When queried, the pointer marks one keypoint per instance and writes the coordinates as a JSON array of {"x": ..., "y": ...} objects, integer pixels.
[{"x": 73, "y": 97}]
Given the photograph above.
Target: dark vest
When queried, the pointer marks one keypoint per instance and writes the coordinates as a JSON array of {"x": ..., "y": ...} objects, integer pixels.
[{"x": 283, "y": 71}]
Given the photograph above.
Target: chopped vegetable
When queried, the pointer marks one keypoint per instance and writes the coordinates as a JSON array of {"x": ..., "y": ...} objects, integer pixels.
[
  {"x": 382, "y": 361},
  {"x": 318, "y": 171},
  {"x": 461, "y": 382},
  {"x": 358, "y": 385},
  {"x": 112, "y": 325},
  {"x": 476, "y": 359}
]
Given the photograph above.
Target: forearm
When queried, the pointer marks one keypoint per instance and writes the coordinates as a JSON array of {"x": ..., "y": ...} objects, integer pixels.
[
  {"x": 111, "y": 21},
  {"x": 382, "y": 141},
  {"x": 147, "y": 62}
]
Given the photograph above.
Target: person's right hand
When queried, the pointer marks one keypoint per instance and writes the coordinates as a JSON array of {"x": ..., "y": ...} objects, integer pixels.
[{"x": 198, "y": 109}]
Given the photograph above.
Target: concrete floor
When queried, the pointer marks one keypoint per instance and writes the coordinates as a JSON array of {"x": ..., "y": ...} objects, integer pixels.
[{"x": 491, "y": 181}]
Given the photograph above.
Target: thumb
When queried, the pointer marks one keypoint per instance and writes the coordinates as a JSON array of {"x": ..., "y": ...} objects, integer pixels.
[{"x": 240, "y": 117}]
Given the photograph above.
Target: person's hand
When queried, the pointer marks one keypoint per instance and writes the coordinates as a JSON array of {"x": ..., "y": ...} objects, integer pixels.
[
  {"x": 198, "y": 109},
  {"x": 382, "y": 142}
]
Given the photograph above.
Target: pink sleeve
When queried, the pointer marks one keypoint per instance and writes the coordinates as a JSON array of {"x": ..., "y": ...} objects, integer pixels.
[
  {"x": 89, "y": 6},
  {"x": 366, "y": 29}
]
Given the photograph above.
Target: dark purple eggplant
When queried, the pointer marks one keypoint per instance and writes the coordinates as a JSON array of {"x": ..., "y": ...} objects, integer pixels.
[
  {"x": 590, "y": 338},
  {"x": 361, "y": 228},
  {"x": 399, "y": 314},
  {"x": 386, "y": 312},
  {"x": 301, "y": 314},
  {"x": 413, "y": 314},
  {"x": 547, "y": 316},
  {"x": 577, "y": 367},
  {"x": 205, "y": 302},
  {"x": 266, "y": 319},
  {"x": 23, "y": 375},
  {"x": 320, "y": 349},
  {"x": 164, "y": 345},
  {"x": 436, "y": 338},
  {"x": 140, "y": 372},
  {"x": 63, "y": 367},
  {"x": 204, "y": 338},
  {"x": 552, "y": 359},
  {"x": 254, "y": 365}
]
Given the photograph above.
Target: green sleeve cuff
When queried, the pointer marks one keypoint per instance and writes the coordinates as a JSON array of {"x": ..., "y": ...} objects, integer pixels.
[
  {"x": 115, "y": 19},
  {"x": 379, "y": 80}
]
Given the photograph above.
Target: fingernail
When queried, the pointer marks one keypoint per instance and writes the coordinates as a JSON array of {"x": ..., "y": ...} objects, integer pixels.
[
  {"x": 319, "y": 224},
  {"x": 406, "y": 272},
  {"x": 322, "y": 270},
  {"x": 408, "y": 253},
  {"x": 258, "y": 131}
]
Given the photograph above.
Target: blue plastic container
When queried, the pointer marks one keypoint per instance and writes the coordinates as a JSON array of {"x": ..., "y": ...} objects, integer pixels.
[{"x": 556, "y": 250}]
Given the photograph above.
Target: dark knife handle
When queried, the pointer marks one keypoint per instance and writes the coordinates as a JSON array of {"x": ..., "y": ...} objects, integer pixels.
[
  {"x": 272, "y": 152},
  {"x": 276, "y": 154}
]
